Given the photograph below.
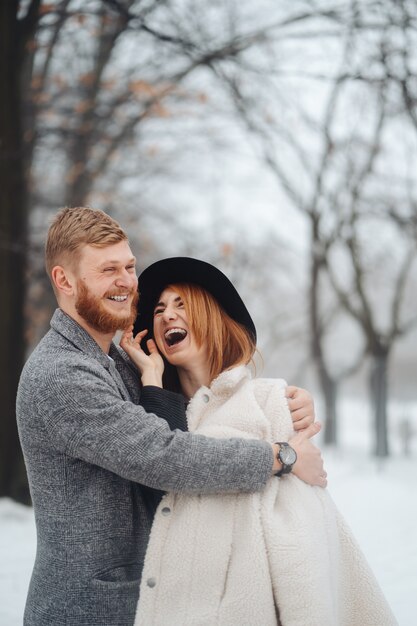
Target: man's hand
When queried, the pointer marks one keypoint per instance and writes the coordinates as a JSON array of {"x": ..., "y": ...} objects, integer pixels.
[
  {"x": 309, "y": 464},
  {"x": 301, "y": 405}
]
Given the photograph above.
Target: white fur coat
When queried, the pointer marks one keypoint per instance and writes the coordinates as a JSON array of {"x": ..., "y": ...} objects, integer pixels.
[{"x": 282, "y": 556}]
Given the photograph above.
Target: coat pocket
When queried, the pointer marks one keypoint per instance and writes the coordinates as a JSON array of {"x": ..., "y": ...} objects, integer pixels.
[
  {"x": 126, "y": 574},
  {"x": 108, "y": 599}
]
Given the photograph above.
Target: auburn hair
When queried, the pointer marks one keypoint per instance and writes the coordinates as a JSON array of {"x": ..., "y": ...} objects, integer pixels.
[
  {"x": 74, "y": 227},
  {"x": 229, "y": 343}
]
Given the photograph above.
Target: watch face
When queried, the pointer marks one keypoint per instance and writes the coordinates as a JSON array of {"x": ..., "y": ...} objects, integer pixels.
[{"x": 287, "y": 455}]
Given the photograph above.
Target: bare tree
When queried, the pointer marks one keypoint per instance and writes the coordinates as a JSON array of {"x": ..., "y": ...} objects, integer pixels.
[
  {"x": 346, "y": 100},
  {"x": 86, "y": 79},
  {"x": 107, "y": 92},
  {"x": 16, "y": 57},
  {"x": 312, "y": 164},
  {"x": 371, "y": 190},
  {"x": 131, "y": 72}
]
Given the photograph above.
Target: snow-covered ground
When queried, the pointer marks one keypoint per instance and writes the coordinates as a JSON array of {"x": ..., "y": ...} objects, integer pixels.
[
  {"x": 17, "y": 553},
  {"x": 379, "y": 501}
]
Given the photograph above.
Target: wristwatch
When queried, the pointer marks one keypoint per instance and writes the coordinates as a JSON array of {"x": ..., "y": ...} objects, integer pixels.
[{"x": 287, "y": 457}]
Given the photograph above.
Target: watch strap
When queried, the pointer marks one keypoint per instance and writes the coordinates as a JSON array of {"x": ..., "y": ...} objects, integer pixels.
[{"x": 286, "y": 468}]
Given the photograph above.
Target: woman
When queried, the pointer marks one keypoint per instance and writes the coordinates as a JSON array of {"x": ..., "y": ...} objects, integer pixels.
[{"x": 283, "y": 556}]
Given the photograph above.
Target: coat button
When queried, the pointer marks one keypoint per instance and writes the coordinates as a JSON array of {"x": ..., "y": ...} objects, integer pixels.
[
  {"x": 151, "y": 582},
  {"x": 205, "y": 398},
  {"x": 166, "y": 510}
]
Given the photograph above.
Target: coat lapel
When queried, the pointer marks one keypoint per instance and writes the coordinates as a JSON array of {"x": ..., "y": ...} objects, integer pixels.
[{"x": 112, "y": 363}]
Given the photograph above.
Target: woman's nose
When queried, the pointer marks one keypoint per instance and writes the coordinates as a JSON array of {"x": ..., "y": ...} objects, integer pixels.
[{"x": 169, "y": 313}]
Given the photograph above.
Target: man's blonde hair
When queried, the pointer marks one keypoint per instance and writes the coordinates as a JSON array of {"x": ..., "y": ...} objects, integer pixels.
[{"x": 74, "y": 227}]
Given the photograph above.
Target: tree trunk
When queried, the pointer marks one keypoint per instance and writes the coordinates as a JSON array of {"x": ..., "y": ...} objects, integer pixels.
[
  {"x": 80, "y": 178},
  {"x": 329, "y": 386},
  {"x": 379, "y": 394},
  {"x": 330, "y": 389},
  {"x": 13, "y": 247}
]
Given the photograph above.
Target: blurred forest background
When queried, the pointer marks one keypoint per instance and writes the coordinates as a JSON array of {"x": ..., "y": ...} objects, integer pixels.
[{"x": 275, "y": 139}]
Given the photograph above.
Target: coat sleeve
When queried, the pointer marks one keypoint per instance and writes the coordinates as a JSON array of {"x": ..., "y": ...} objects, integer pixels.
[
  {"x": 166, "y": 404},
  {"x": 86, "y": 418}
]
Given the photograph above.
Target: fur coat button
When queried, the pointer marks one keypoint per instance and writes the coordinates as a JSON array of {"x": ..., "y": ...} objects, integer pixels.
[
  {"x": 151, "y": 582},
  {"x": 166, "y": 510},
  {"x": 206, "y": 398}
]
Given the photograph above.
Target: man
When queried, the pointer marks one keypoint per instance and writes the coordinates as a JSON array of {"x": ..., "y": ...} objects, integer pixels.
[{"x": 94, "y": 456}]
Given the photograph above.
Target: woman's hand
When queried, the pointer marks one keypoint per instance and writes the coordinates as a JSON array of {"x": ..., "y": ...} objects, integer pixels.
[
  {"x": 309, "y": 464},
  {"x": 301, "y": 405},
  {"x": 151, "y": 366}
]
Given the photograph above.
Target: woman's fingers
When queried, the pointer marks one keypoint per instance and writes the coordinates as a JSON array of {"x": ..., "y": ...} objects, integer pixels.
[
  {"x": 126, "y": 338},
  {"x": 128, "y": 341},
  {"x": 310, "y": 431},
  {"x": 151, "y": 346},
  {"x": 141, "y": 335},
  {"x": 309, "y": 465},
  {"x": 301, "y": 404}
]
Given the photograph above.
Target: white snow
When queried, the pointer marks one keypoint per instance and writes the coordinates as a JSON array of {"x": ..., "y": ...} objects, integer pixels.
[
  {"x": 17, "y": 553},
  {"x": 378, "y": 500}
]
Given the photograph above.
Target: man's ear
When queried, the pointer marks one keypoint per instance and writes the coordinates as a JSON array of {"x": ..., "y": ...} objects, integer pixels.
[{"x": 63, "y": 280}]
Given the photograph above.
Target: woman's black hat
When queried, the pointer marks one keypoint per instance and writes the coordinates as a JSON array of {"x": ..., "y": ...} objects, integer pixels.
[{"x": 154, "y": 279}]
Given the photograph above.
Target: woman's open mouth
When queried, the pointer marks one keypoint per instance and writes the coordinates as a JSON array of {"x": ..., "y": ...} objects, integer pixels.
[{"x": 174, "y": 336}]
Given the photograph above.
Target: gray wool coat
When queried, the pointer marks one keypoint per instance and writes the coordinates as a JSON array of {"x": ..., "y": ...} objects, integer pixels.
[{"x": 94, "y": 458}]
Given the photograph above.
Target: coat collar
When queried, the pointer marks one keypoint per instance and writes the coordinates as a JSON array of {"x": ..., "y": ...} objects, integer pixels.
[
  {"x": 230, "y": 379},
  {"x": 80, "y": 338}
]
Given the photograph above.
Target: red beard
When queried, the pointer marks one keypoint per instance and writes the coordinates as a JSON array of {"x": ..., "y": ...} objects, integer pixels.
[{"x": 92, "y": 310}]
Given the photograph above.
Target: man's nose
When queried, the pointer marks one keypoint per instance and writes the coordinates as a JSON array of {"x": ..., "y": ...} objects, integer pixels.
[{"x": 127, "y": 279}]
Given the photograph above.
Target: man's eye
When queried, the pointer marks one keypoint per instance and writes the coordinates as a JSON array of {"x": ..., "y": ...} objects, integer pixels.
[
  {"x": 131, "y": 268},
  {"x": 108, "y": 269}
]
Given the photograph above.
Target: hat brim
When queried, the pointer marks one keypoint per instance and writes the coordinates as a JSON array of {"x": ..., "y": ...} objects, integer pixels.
[{"x": 154, "y": 279}]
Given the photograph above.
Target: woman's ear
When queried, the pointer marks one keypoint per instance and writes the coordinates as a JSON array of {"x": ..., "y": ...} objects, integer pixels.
[{"x": 63, "y": 280}]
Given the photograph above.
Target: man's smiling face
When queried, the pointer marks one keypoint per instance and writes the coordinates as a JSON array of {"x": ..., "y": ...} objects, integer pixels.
[{"x": 106, "y": 289}]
